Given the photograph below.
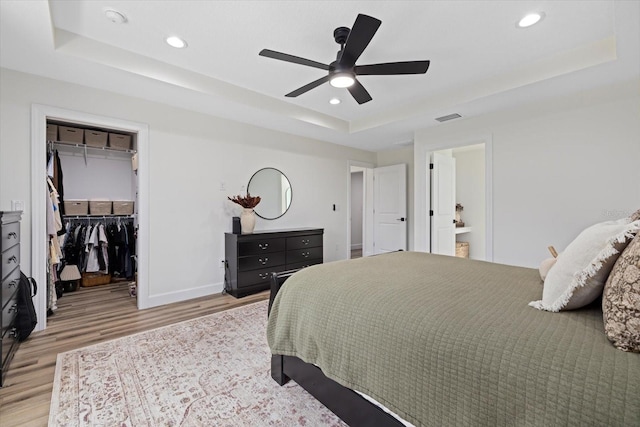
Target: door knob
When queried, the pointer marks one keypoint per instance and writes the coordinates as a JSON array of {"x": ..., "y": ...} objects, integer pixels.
[{"x": 400, "y": 219}]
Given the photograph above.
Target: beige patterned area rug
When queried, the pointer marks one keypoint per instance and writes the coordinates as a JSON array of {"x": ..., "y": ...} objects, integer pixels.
[{"x": 210, "y": 371}]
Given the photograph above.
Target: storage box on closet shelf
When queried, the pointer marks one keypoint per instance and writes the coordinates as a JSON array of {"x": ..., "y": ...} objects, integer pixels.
[
  {"x": 123, "y": 207},
  {"x": 119, "y": 141},
  {"x": 95, "y": 138},
  {"x": 76, "y": 207},
  {"x": 70, "y": 134},
  {"x": 52, "y": 132},
  {"x": 99, "y": 207}
]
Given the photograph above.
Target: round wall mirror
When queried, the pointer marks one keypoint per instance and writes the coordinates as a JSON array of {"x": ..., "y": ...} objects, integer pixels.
[{"x": 274, "y": 190}]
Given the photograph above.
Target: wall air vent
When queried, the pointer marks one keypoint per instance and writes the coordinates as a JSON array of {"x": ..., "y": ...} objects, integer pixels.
[{"x": 448, "y": 117}]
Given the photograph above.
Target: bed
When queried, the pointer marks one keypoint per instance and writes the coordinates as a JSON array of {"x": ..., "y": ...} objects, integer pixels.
[{"x": 442, "y": 341}]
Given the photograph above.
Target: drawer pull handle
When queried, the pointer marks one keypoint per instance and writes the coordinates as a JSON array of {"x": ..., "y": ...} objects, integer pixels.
[
  {"x": 264, "y": 275},
  {"x": 305, "y": 241},
  {"x": 305, "y": 254},
  {"x": 14, "y": 332},
  {"x": 13, "y": 283},
  {"x": 263, "y": 247},
  {"x": 13, "y": 308},
  {"x": 12, "y": 259},
  {"x": 13, "y": 235},
  {"x": 263, "y": 262}
]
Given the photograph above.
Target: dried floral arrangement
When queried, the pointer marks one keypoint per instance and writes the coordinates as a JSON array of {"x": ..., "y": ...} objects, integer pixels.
[{"x": 247, "y": 201}]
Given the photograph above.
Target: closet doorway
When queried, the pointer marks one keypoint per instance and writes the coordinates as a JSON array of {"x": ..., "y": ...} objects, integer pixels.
[{"x": 109, "y": 186}]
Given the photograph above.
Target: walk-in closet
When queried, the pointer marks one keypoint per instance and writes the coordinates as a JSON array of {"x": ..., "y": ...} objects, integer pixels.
[{"x": 91, "y": 209}]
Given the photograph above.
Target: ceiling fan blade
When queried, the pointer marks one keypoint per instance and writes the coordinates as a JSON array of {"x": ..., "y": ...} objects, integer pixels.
[
  {"x": 307, "y": 87},
  {"x": 290, "y": 58},
  {"x": 359, "y": 93},
  {"x": 360, "y": 35},
  {"x": 392, "y": 68}
]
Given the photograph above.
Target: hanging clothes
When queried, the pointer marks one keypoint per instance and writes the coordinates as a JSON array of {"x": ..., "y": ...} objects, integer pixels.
[
  {"x": 104, "y": 247},
  {"x": 58, "y": 180},
  {"x": 54, "y": 225}
]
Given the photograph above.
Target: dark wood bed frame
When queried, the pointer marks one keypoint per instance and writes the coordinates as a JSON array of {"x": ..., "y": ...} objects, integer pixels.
[{"x": 351, "y": 407}]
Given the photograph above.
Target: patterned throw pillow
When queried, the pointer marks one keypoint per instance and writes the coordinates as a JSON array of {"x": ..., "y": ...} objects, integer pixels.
[
  {"x": 621, "y": 300},
  {"x": 635, "y": 216}
]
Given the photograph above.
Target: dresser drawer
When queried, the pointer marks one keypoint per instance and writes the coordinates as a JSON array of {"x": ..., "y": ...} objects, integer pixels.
[
  {"x": 254, "y": 277},
  {"x": 10, "y": 259},
  {"x": 255, "y": 262},
  {"x": 303, "y": 264},
  {"x": 300, "y": 242},
  {"x": 300, "y": 255},
  {"x": 10, "y": 284},
  {"x": 257, "y": 247},
  {"x": 9, "y": 344},
  {"x": 9, "y": 312},
  {"x": 10, "y": 235}
]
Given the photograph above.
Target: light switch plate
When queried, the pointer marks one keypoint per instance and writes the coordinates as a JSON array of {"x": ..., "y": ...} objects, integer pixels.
[{"x": 17, "y": 205}]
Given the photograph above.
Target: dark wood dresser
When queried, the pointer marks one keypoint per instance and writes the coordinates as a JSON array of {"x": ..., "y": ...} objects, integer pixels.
[
  {"x": 10, "y": 274},
  {"x": 251, "y": 258}
]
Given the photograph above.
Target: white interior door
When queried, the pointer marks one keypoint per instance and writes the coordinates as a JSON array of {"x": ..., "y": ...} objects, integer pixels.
[
  {"x": 390, "y": 208},
  {"x": 443, "y": 204}
]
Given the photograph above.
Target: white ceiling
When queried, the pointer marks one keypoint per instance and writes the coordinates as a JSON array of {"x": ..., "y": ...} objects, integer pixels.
[{"x": 480, "y": 61}]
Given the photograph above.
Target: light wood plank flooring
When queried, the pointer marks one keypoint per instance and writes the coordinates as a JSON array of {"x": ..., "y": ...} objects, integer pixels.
[{"x": 87, "y": 316}]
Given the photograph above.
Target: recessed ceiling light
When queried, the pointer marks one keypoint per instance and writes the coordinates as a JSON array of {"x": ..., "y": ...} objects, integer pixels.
[
  {"x": 530, "y": 19},
  {"x": 115, "y": 16},
  {"x": 176, "y": 42},
  {"x": 334, "y": 101}
]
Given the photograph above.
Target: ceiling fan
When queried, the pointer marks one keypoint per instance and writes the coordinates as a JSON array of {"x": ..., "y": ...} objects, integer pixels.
[{"x": 343, "y": 71}]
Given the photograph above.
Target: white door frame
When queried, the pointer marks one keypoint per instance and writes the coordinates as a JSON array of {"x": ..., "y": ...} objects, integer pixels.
[
  {"x": 422, "y": 196},
  {"x": 39, "y": 116},
  {"x": 367, "y": 214}
]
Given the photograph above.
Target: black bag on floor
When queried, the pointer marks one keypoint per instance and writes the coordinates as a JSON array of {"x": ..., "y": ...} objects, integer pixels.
[{"x": 26, "y": 319}]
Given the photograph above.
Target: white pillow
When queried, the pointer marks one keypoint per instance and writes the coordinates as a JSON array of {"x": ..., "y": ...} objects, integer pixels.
[{"x": 581, "y": 270}]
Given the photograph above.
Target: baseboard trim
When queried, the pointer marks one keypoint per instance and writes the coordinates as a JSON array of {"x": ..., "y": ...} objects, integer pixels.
[{"x": 184, "y": 294}]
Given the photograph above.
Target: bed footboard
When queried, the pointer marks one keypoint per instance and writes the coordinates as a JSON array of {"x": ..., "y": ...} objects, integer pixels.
[{"x": 351, "y": 407}]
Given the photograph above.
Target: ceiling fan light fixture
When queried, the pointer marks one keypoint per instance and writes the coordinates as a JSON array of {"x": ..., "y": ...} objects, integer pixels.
[
  {"x": 176, "y": 42},
  {"x": 530, "y": 19},
  {"x": 342, "y": 80}
]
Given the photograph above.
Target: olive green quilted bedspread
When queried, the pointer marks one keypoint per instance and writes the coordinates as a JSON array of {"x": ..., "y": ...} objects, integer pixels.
[{"x": 444, "y": 341}]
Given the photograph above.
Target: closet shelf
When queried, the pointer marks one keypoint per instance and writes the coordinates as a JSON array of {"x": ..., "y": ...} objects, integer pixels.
[
  {"x": 97, "y": 216},
  {"x": 88, "y": 147}
]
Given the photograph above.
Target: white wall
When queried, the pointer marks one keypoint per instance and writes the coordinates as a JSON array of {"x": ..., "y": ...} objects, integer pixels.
[
  {"x": 83, "y": 181},
  {"x": 191, "y": 154},
  {"x": 470, "y": 193},
  {"x": 557, "y": 168}
]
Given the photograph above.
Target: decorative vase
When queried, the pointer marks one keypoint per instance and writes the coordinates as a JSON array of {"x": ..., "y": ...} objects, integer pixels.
[{"x": 247, "y": 221}]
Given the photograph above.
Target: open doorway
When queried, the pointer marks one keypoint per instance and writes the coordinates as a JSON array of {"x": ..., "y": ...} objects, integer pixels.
[
  {"x": 357, "y": 211},
  {"x": 459, "y": 173},
  {"x": 40, "y": 115},
  {"x": 423, "y": 204},
  {"x": 360, "y": 209}
]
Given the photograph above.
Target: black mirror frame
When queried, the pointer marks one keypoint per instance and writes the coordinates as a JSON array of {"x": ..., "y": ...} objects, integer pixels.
[{"x": 290, "y": 187}]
